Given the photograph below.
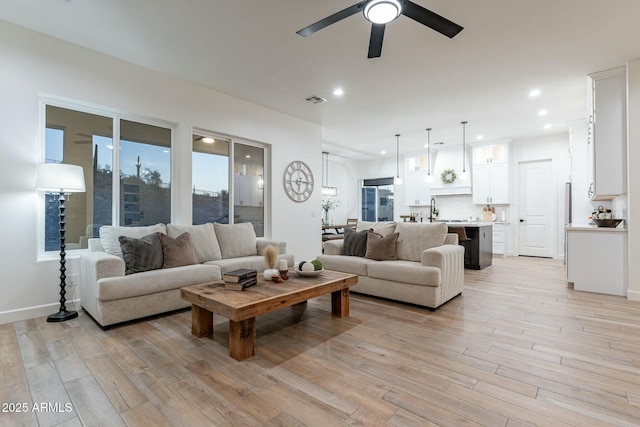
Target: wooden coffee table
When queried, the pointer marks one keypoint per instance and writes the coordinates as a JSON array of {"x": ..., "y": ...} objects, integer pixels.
[{"x": 242, "y": 307}]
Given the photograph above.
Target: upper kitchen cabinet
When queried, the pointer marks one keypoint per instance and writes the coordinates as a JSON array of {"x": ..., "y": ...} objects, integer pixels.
[
  {"x": 607, "y": 136},
  {"x": 491, "y": 173},
  {"x": 417, "y": 189}
]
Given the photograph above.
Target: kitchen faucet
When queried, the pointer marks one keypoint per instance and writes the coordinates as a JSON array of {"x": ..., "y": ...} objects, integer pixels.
[{"x": 433, "y": 206}]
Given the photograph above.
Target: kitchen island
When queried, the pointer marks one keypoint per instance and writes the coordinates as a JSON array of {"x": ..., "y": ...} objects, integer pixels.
[{"x": 479, "y": 248}]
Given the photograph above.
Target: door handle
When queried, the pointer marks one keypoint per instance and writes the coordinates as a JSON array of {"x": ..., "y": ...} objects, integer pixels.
[{"x": 522, "y": 220}]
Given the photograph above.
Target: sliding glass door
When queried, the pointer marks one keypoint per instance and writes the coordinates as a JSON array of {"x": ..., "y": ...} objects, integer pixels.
[{"x": 377, "y": 199}]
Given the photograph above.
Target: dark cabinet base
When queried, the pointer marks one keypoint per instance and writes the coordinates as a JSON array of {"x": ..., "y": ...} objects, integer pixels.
[{"x": 478, "y": 250}]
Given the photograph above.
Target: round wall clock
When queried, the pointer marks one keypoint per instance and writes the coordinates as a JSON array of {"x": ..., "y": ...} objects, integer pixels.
[{"x": 298, "y": 181}]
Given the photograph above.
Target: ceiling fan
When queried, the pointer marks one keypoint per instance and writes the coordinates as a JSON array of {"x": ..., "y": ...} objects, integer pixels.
[{"x": 381, "y": 12}]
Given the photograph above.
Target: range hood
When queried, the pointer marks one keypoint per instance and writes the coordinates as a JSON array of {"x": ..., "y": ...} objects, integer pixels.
[{"x": 451, "y": 158}]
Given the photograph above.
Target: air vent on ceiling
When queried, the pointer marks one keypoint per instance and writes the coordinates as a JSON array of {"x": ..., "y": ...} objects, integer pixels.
[{"x": 315, "y": 99}]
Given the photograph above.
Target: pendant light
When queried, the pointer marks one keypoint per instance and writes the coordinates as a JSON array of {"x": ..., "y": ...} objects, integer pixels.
[
  {"x": 429, "y": 177},
  {"x": 326, "y": 190},
  {"x": 398, "y": 180},
  {"x": 464, "y": 151}
]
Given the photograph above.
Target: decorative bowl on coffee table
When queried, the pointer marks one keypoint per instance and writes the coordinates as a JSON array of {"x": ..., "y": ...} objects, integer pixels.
[{"x": 314, "y": 273}]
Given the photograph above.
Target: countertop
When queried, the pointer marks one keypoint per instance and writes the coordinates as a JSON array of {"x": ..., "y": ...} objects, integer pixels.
[
  {"x": 595, "y": 228},
  {"x": 467, "y": 223}
]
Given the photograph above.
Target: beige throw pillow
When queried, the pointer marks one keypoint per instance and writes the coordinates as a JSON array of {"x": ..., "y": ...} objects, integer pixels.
[
  {"x": 236, "y": 240},
  {"x": 203, "y": 237},
  {"x": 414, "y": 238}
]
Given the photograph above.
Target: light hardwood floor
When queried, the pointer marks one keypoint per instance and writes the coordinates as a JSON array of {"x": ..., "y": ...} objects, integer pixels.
[{"x": 518, "y": 348}]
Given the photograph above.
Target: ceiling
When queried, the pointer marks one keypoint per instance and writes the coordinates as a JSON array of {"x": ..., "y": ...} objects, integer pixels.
[{"x": 250, "y": 49}]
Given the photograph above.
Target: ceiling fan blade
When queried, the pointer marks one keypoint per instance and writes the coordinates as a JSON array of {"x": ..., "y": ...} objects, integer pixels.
[
  {"x": 375, "y": 41},
  {"x": 430, "y": 19},
  {"x": 345, "y": 13}
]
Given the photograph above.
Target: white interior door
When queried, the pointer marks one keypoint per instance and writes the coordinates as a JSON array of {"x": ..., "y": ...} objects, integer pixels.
[{"x": 536, "y": 208}]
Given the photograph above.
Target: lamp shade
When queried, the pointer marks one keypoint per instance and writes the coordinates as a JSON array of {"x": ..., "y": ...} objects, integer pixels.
[{"x": 60, "y": 178}]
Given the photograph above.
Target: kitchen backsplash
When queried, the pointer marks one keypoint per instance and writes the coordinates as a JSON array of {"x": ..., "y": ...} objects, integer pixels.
[{"x": 462, "y": 208}]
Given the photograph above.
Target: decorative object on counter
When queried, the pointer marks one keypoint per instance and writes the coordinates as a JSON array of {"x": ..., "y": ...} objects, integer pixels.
[
  {"x": 488, "y": 214},
  {"x": 607, "y": 222},
  {"x": 448, "y": 176},
  {"x": 270, "y": 259},
  {"x": 327, "y": 205},
  {"x": 398, "y": 180},
  {"x": 464, "y": 151}
]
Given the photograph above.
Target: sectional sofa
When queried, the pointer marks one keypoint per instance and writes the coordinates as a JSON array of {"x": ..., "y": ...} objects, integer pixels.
[
  {"x": 117, "y": 286},
  {"x": 418, "y": 263}
]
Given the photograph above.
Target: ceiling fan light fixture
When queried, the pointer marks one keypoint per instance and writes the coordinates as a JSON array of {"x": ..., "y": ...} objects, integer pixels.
[{"x": 382, "y": 11}]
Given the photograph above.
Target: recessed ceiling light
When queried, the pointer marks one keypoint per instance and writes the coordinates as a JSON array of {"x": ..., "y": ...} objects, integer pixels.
[
  {"x": 548, "y": 126},
  {"x": 479, "y": 137},
  {"x": 208, "y": 140},
  {"x": 248, "y": 156},
  {"x": 383, "y": 152},
  {"x": 543, "y": 112},
  {"x": 534, "y": 92},
  {"x": 338, "y": 91}
]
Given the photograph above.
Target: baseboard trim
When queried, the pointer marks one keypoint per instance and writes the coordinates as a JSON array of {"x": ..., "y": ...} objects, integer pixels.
[
  {"x": 633, "y": 295},
  {"x": 27, "y": 313}
]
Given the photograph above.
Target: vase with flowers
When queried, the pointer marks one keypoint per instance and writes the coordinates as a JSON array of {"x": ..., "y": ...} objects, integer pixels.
[{"x": 327, "y": 205}]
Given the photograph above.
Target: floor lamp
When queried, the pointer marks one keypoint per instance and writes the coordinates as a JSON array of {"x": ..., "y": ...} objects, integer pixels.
[{"x": 61, "y": 179}]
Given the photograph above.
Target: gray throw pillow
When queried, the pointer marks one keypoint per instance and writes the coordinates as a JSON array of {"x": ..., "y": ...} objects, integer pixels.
[
  {"x": 177, "y": 252},
  {"x": 141, "y": 254},
  {"x": 381, "y": 247},
  {"x": 355, "y": 242}
]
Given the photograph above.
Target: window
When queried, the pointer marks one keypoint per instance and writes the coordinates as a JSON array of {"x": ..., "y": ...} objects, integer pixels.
[
  {"x": 145, "y": 174},
  {"x": 143, "y": 191},
  {"x": 210, "y": 178},
  {"x": 377, "y": 199},
  {"x": 215, "y": 198}
]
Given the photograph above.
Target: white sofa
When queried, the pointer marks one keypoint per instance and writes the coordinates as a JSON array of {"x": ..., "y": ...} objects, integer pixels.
[
  {"x": 110, "y": 296},
  {"x": 428, "y": 269}
]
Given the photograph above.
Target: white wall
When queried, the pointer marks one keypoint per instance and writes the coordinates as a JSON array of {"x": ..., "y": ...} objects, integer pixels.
[
  {"x": 633, "y": 176},
  {"x": 33, "y": 64}
]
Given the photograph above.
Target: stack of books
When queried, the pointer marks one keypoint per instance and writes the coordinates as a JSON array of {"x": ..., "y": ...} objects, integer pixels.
[{"x": 240, "y": 279}]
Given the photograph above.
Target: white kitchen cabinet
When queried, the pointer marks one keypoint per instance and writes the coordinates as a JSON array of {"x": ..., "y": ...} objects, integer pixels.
[
  {"x": 491, "y": 153},
  {"x": 500, "y": 239},
  {"x": 491, "y": 174},
  {"x": 490, "y": 184},
  {"x": 597, "y": 259},
  {"x": 417, "y": 191},
  {"x": 607, "y": 134}
]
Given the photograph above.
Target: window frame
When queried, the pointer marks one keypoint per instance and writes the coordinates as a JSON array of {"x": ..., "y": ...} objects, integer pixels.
[
  {"x": 116, "y": 116},
  {"x": 266, "y": 159}
]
